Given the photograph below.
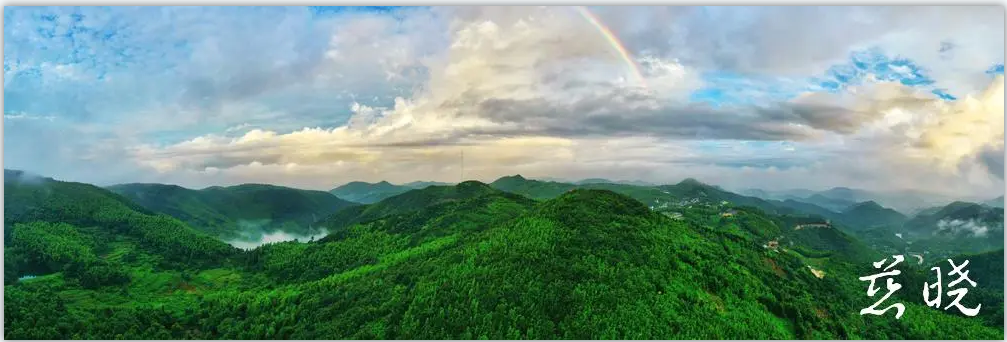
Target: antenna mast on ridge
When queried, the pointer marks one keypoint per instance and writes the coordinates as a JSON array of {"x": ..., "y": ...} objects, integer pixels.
[{"x": 461, "y": 175}]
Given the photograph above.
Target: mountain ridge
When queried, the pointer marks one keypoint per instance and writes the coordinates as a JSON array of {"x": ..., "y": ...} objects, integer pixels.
[
  {"x": 239, "y": 210},
  {"x": 457, "y": 262}
]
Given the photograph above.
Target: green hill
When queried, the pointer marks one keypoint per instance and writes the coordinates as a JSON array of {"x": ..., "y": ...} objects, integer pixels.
[
  {"x": 829, "y": 242},
  {"x": 409, "y": 201},
  {"x": 471, "y": 262},
  {"x": 685, "y": 193},
  {"x": 996, "y": 202},
  {"x": 875, "y": 224},
  {"x": 810, "y": 209},
  {"x": 935, "y": 221},
  {"x": 840, "y": 198},
  {"x": 347, "y": 247},
  {"x": 959, "y": 227},
  {"x": 50, "y": 225},
  {"x": 424, "y": 184},
  {"x": 940, "y": 232},
  {"x": 834, "y": 204},
  {"x": 870, "y": 214},
  {"x": 368, "y": 193},
  {"x": 245, "y": 210},
  {"x": 544, "y": 190},
  {"x": 694, "y": 191},
  {"x": 987, "y": 270},
  {"x": 531, "y": 188},
  {"x": 607, "y": 181}
]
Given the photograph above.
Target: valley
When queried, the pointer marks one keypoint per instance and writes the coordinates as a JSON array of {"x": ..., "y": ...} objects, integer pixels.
[
  {"x": 512, "y": 259},
  {"x": 469, "y": 172}
]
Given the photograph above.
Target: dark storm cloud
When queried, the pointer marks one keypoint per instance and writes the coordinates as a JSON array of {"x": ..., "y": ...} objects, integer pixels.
[{"x": 628, "y": 115}]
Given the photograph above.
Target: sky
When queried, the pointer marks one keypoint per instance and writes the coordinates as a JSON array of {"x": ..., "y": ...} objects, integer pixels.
[{"x": 881, "y": 98}]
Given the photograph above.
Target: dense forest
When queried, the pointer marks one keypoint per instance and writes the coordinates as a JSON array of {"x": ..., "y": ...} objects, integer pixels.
[
  {"x": 515, "y": 259},
  {"x": 240, "y": 211}
]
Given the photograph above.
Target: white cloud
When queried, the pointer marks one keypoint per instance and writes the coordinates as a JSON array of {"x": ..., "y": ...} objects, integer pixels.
[
  {"x": 949, "y": 135},
  {"x": 961, "y": 130},
  {"x": 238, "y": 128},
  {"x": 806, "y": 40},
  {"x": 971, "y": 226},
  {"x": 26, "y": 116},
  {"x": 538, "y": 91},
  {"x": 393, "y": 48},
  {"x": 526, "y": 57}
]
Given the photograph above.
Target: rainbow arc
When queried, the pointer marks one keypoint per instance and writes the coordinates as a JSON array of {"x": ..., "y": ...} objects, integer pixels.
[{"x": 613, "y": 40}]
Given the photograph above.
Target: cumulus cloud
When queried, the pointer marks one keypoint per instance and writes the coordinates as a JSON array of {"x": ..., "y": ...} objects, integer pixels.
[
  {"x": 970, "y": 226},
  {"x": 508, "y": 78},
  {"x": 312, "y": 101},
  {"x": 993, "y": 159},
  {"x": 967, "y": 127},
  {"x": 952, "y": 134},
  {"x": 803, "y": 40}
]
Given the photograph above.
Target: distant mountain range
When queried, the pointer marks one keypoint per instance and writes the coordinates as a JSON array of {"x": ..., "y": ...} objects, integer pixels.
[
  {"x": 367, "y": 193},
  {"x": 957, "y": 227},
  {"x": 517, "y": 258},
  {"x": 229, "y": 212},
  {"x": 870, "y": 214},
  {"x": 996, "y": 202},
  {"x": 594, "y": 181},
  {"x": 907, "y": 202},
  {"x": 362, "y": 192},
  {"x": 868, "y": 219},
  {"x": 603, "y": 181},
  {"x": 424, "y": 184}
]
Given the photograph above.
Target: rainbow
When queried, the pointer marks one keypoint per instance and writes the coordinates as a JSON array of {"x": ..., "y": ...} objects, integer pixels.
[{"x": 614, "y": 41}]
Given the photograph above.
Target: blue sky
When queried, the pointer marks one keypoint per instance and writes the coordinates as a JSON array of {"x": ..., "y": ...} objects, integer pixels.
[{"x": 208, "y": 95}]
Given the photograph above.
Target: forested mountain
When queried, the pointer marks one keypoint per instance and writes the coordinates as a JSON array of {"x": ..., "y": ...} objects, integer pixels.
[
  {"x": 870, "y": 214},
  {"x": 933, "y": 233},
  {"x": 811, "y": 209},
  {"x": 684, "y": 193},
  {"x": 996, "y": 202},
  {"x": 52, "y": 226},
  {"x": 988, "y": 270},
  {"x": 367, "y": 193},
  {"x": 881, "y": 227},
  {"x": 606, "y": 181},
  {"x": 462, "y": 262},
  {"x": 959, "y": 227},
  {"x": 838, "y": 199},
  {"x": 411, "y": 200},
  {"x": 237, "y": 211},
  {"x": 534, "y": 189},
  {"x": 937, "y": 220},
  {"x": 424, "y": 184},
  {"x": 834, "y": 204}
]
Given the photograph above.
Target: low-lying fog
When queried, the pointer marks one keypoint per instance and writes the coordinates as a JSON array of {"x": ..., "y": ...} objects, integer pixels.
[{"x": 279, "y": 236}]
